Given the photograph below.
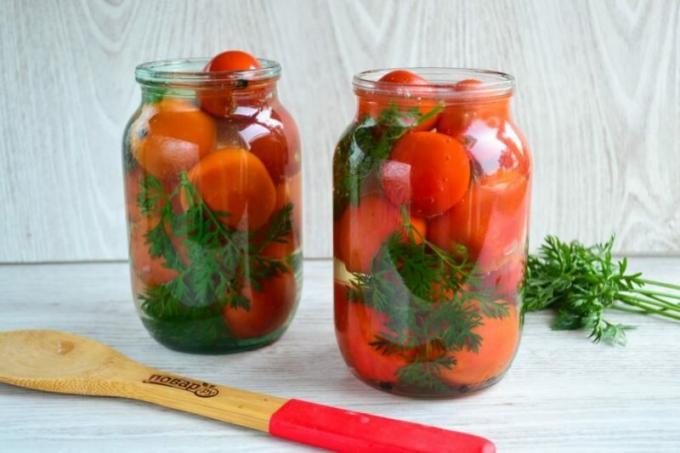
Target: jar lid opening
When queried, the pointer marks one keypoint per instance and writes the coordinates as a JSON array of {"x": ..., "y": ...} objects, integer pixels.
[
  {"x": 441, "y": 83},
  {"x": 190, "y": 73}
]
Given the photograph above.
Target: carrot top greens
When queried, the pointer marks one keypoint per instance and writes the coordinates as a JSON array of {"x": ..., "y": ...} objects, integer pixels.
[
  {"x": 221, "y": 260},
  {"x": 581, "y": 282},
  {"x": 434, "y": 302}
]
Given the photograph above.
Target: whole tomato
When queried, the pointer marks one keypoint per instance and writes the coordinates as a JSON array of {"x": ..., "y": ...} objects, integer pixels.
[
  {"x": 356, "y": 327},
  {"x": 219, "y": 102},
  {"x": 491, "y": 220},
  {"x": 362, "y": 229},
  {"x": 270, "y": 307},
  {"x": 500, "y": 338},
  {"x": 428, "y": 171}
]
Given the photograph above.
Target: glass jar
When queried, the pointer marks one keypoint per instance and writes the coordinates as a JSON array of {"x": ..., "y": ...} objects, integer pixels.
[
  {"x": 213, "y": 194},
  {"x": 431, "y": 194}
]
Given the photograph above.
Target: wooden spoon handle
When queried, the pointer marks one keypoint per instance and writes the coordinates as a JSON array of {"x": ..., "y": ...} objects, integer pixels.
[{"x": 231, "y": 405}]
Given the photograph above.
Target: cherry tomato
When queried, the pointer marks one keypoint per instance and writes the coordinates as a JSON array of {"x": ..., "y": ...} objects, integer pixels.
[
  {"x": 219, "y": 101},
  {"x": 234, "y": 181},
  {"x": 490, "y": 220},
  {"x": 270, "y": 307},
  {"x": 456, "y": 119},
  {"x": 178, "y": 135},
  {"x": 500, "y": 338},
  {"x": 356, "y": 327},
  {"x": 468, "y": 85},
  {"x": 374, "y": 105},
  {"x": 362, "y": 229},
  {"x": 403, "y": 77},
  {"x": 233, "y": 60},
  {"x": 428, "y": 171},
  {"x": 268, "y": 141}
]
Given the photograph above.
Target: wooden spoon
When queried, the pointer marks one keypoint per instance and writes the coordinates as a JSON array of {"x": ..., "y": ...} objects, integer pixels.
[{"x": 61, "y": 362}]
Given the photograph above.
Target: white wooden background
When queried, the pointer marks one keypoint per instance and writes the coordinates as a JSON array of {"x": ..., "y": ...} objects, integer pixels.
[{"x": 599, "y": 99}]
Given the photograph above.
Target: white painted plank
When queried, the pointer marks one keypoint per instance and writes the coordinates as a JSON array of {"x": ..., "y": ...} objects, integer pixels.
[
  {"x": 562, "y": 394},
  {"x": 598, "y": 98}
]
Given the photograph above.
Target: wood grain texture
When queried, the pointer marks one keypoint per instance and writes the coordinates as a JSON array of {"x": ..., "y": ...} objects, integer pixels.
[
  {"x": 598, "y": 98},
  {"x": 562, "y": 394}
]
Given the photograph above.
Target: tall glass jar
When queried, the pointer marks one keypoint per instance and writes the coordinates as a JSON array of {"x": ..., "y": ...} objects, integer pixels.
[
  {"x": 431, "y": 203},
  {"x": 213, "y": 192}
]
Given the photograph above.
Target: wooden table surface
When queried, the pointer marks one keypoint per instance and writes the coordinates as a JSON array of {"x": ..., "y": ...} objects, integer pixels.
[{"x": 562, "y": 393}]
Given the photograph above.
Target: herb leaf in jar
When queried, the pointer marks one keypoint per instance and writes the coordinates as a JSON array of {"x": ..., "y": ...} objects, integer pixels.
[
  {"x": 366, "y": 145},
  {"x": 431, "y": 302},
  {"x": 212, "y": 259}
]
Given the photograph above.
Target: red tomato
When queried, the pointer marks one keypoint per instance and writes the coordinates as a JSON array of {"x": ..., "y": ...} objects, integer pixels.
[
  {"x": 496, "y": 147},
  {"x": 428, "y": 171},
  {"x": 290, "y": 131},
  {"x": 267, "y": 139},
  {"x": 177, "y": 136},
  {"x": 233, "y": 60},
  {"x": 491, "y": 220},
  {"x": 457, "y": 117},
  {"x": 151, "y": 271},
  {"x": 402, "y": 79},
  {"x": 467, "y": 85},
  {"x": 219, "y": 102},
  {"x": 500, "y": 338},
  {"x": 356, "y": 326},
  {"x": 235, "y": 181},
  {"x": 287, "y": 192},
  {"x": 270, "y": 146},
  {"x": 269, "y": 308},
  {"x": 362, "y": 229}
]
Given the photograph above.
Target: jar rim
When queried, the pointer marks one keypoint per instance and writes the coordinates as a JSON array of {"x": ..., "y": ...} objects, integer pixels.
[
  {"x": 189, "y": 72},
  {"x": 441, "y": 83}
]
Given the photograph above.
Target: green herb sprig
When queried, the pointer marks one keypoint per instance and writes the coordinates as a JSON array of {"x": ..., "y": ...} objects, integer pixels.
[
  {"x": 431, "y": 301},
  {"x": 581, "y": 282},
  {"x": 366, "y": 145},
  {"x": 220, "y": 260}
]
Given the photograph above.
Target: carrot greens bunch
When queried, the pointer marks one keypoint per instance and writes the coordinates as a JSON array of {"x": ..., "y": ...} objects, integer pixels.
[{"x": 580, "y": 283}]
